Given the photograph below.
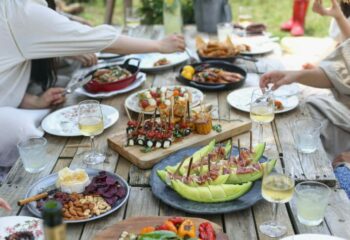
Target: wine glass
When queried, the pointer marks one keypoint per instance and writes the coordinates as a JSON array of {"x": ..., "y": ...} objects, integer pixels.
[
  {"x": 90, "y": 122},
  {"x": 262, "y": 110},
  {"x": 132, "y": 19},
  {"x": 277, "y": 187}
]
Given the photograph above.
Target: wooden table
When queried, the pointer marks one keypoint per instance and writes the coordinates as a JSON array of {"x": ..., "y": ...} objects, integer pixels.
[{"x": 240, "y": 225}]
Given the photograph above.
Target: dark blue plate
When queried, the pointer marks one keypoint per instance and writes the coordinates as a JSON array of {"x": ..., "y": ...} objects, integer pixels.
[{"x": 173, "y": 199}]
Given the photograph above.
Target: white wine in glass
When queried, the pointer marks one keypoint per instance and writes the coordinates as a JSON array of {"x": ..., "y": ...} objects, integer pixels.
[
  {"x": 277, "y": 187},
  {"x": 90, "y": 122},
  {"x": 262, "y": 110}
]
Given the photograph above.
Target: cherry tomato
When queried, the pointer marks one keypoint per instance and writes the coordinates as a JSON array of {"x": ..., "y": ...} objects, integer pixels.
[
  {"x": 144, "y": 103},
  {"x": 176, "y": 93}
]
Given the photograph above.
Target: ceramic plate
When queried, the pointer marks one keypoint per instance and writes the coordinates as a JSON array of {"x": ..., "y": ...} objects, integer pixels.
[
  {"x": 64, "y": 122},
  {"x": 311, "y": 237},
  {"x": 148, "y": 60},
  {"x": 141, "y": 78},
  {"x": 49, "y": 182},
  {"x": 132, "y": 102},
  {"x": 101, "y": 55},
  {"x": 12, "y": 224},
  {"x": 259, "y": 45},
  {"x": 240, "y": 99},
  {"x": 173, "y": 199}
]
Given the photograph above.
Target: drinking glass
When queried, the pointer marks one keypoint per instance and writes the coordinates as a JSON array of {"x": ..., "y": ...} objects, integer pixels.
[
  {"x": 277, "y": 187},
  {"x": 262, "y": 110},
  {"x": 225, "y": 30},
  {"x": 307, "y": 134},
  {"x": 32, "y": 152},
  {"x": 132, "y": 19},
  {"x": 90, "y": 122},
  {"x": 245, "y": 16},
  {"x": 312, "y": 200}
]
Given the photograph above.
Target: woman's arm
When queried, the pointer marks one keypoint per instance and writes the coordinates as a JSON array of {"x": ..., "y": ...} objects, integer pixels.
[
  {"x": 313, "y": 78},
  {"x": 51, "y": 97},
  {"x": 128, "y": 45}
]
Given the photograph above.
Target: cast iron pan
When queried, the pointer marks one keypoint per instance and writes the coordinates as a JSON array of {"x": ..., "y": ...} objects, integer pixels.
[{"x": 214, "y": 86}]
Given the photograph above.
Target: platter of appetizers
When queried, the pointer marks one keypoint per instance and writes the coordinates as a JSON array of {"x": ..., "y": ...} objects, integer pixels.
[
  {"x": 212, "y": 179},
  {"x": 21, "y": 227},
  {"x": 146, "y": 141},
  {"x": 112, "y": 77},
  {"x": 163, "y": 227},
  {"x": 153, "y": 62},
  {"x": 146, "y": 101},
  {"x": 85, "y": 194},
  {"x": 284, "y": 102},
  {"x": 212, "y": 76},
  {"x": 64, "y": 122}
]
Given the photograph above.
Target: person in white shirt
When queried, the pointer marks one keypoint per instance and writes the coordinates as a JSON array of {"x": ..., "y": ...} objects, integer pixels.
[{"x": 31, "y": 36}]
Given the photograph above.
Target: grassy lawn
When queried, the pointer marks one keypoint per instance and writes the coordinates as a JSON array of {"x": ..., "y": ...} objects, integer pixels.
[{"x": 270, "y": 12}]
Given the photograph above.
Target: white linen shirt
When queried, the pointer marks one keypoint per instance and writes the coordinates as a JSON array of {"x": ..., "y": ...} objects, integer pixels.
[{"x": 30, "y": 30}]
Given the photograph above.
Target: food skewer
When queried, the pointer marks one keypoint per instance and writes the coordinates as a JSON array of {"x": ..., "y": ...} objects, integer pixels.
[
  {"x": 239, "y": 148},
  {"x": 251, "y": 141},
  {"x": 209, "y": 165},
  {"x": 189, "y": 168},
  {"x": 178, "y": 168},
  {"x": 127, "y": 112},
  {"x": 230, "y": 154}
]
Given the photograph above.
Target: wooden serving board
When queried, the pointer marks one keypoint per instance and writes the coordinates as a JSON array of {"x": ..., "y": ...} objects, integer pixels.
[
  {"x": 134, "y": 225},
  {"x": 147, "y": 160}
]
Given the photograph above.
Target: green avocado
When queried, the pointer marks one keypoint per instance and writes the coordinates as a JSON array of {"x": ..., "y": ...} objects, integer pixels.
[
  {"x": 250, "y": 177},
  {"x": 258, "y": 151},
  {"x": 196, "y": 157},
  {"x": 211, "y": 193}
]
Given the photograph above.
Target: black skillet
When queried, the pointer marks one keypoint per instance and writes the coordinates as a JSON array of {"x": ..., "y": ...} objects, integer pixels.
[{"x": 215, "y": 86}]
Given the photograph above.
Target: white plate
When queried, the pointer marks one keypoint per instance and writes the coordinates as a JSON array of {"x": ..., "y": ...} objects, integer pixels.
[
  {"x": 132, "y": 102},
  {"x": 259, "y": 45},
  {"x": 148, "y": 60},
  {"x": 312, "y": 237},
  {"x": 13, "y": 224},
  {"x": 141, "y": 78},
  {"x": 240, "y": 99},
  {"x": 101, "y": 55},
  {"x": 64, "y": 122}
]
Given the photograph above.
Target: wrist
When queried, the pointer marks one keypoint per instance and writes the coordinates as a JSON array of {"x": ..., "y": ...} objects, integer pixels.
[{"x": 158, "y": 46}]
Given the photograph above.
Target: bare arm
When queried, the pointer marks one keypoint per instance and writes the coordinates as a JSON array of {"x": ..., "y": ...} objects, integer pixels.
[
  {"x": 129, "y": 45},
  {"x": 313, "y": 78},
  {"x": 51, "y": 97}
]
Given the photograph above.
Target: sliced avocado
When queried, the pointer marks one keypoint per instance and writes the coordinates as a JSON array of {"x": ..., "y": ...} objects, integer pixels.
[
  {"x": 212, "y": 193},
  {"x": 250, "y": 177},
  {"x": 258, "y": 151}
]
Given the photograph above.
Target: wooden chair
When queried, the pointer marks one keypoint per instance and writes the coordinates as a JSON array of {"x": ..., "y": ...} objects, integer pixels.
[{"x": 110, "y": 4}]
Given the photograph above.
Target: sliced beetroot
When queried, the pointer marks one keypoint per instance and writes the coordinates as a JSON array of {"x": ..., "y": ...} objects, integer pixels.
[{"x": 121, "y": 192}]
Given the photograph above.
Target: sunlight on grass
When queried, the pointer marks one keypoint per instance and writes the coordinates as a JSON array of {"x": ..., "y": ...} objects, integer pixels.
[{"x": 270, "y": 12}]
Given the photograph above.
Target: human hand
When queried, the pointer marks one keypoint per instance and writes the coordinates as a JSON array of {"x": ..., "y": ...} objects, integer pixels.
[
  {"x": 341, "y": 158},
  {"x": 334, "y": 11},
  {"x": 172, "y": 43},
  {"x": 308, "y": 66},
  {"x": 5, "y": 205},
  {"x": 278, "y": 78},
  {"x": 86, "y": 60},
  {"x": 51, "y": 97}
]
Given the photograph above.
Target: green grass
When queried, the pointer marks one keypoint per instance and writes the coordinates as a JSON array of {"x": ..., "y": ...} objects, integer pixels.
[{"x": 270, "y": 12}]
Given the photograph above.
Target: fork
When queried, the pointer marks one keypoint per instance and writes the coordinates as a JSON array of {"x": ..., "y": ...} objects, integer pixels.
[{"x": 191, "y": 57}]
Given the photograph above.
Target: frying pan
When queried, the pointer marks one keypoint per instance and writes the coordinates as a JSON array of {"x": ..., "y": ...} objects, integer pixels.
[{"x": 215, "y": 86}]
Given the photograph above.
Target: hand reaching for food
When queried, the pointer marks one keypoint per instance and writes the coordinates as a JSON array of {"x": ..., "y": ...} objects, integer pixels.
[
  {"x": 334, "y": 11},
  {"x": 172, "y": 43},
  {"x": 277, "y": 79},
  {"x": 51, "y": 97},
  {"x": 4, "y": 205},
  {"x": 86, "y": 60}
]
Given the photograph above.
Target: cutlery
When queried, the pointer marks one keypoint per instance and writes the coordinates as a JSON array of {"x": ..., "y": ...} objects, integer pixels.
[
  {"x": 81, "y": 82},
  {"x": 191, "y": 57},
  {"x": 36, "y": 197}
]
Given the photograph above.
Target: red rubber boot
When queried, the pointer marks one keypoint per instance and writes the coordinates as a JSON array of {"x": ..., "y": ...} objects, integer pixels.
[
  {"x": 287, "y": 26},
  {"x": 299, "y": 14}
]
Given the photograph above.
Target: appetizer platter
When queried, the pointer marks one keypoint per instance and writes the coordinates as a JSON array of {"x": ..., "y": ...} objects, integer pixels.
[
  {"x": 212, "y": 179},
  {"x": 85, "y": 194},
  {"x": 215, "y": 50},
  {"x": 240, "y": 99},
  {"x": 21, "y": 227},
  {"x": 112, "y": 77},
  {"x": 64, "y": 122},
  {"x": 212, "y": 75},
  {"x": 146, "y": 101},
  {"x": 146, "y": 142},
  {"x": 140, "y": 79},
  {"x": 177, "y": 228},
  {"x": 154, "y": 62}
]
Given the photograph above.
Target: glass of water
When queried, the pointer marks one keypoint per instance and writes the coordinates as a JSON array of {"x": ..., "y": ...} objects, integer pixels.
[
  {"x": 312, "y": 199},
  {"x": 225, "y": 30},
  {"x": 32, "y": 153},
  {"x": 307, "y": 134}
]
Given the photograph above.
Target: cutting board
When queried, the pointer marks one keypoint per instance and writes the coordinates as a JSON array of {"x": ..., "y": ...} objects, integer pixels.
[
  {"x": 134, "y": 225},
  {"x": 147, "y": 160}
]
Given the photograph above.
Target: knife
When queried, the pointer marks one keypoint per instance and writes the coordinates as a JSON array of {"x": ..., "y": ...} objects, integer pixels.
[
  {"x": 36, "y": 197},
  {"x": 81, "y": 82}
]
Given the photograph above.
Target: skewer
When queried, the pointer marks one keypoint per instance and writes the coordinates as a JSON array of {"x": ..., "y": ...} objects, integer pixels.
[
  {"x": 178, "y": 168},
  {"x": 208, "y": 166},
  {"x": 127, "y": 112},
  {"x": 189, "y": 167},
  {"x": 188, "y": 110},
  {"x": 201, "y": 165},
  {"x": 251, "y": 141},
  {"x": 230, "y": 154},
  {"x": 239, "y": 149}
]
